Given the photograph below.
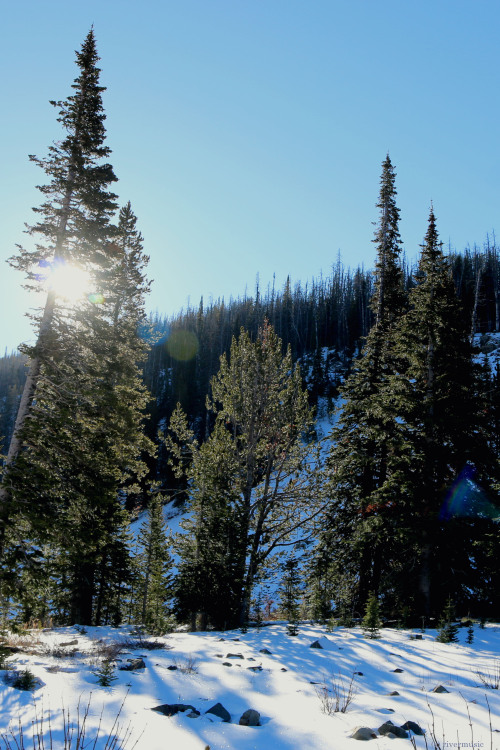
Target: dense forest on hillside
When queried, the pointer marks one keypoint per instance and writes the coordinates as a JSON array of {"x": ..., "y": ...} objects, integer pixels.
[{"x": 332, "y": 313}]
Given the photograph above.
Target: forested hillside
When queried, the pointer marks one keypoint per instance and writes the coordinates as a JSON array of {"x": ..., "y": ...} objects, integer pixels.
[{"x": 215, "y": 411}]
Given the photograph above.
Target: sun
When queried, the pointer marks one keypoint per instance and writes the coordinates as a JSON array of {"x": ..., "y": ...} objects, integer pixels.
[{"x": 69, "y": 282}]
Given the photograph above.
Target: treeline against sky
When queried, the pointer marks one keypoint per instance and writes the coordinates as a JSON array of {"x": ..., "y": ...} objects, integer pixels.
[{"x": 323, "y": 322}]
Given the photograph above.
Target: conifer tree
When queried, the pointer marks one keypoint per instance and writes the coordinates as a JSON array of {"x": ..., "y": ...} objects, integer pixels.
[
  {"x": 256, "y": 481},
  {"x": 443, "y": 432},
  {"x": 154, "y": 584},
  {"x": 367, "y": 433},
  {"x": 74, "y": 223},
  {"x": 371, "y": 621},
  {"x": 290, "y": 594},
  {"x": 79, "y": 453}
]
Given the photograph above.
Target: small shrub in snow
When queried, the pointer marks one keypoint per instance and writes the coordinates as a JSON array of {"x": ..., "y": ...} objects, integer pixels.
[
  {"x": 491, "y": 678},
  {"x": 75, "y": 734},
  {"x": 336, "y": 694}
]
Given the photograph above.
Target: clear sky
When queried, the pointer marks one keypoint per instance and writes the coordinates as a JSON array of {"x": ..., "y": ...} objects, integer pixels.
[{"x": 249, "y": 134}]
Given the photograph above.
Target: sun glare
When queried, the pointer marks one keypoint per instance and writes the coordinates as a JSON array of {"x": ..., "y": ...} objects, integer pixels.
[{"x": 71, "y": 283}]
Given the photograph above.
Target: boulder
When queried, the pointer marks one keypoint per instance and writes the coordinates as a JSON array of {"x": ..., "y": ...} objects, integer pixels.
[
  {"x": 234, "y": 656},
  {"x": 265, "y": 651},
  {"x": 133, "y": 664},
  {"x": 398, "y": 670},
  {"x": 440, "y": 689},
  {"x": 315, "y": 644},
  {"x": 412, "y": 727},
  {"x": 250, "y": 718},
  {"x": 170, "y": 709},
  {"x": 258, "y": 668},
  {"x": 70, "y": 643},
  {"x": 394, "y": 692},
  {"x": 363, "y": 733},
  {"x": 389, "y": 728},
  {"x": 220, "y": 711},
  {"x": 226, "y": 664}
]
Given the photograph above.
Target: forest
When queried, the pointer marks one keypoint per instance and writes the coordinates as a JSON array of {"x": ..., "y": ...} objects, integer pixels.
[{"x": 333, "y": 442}]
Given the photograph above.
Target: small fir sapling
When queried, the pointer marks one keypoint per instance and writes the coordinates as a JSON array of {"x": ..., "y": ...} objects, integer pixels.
[
  {"x": 470, "y": 634},
  {"x": 105, "y": 673},
  {"x": 290, "y": 594},
  {"x": 448, "y": 630},
  {"x": 371, "y": 621}
]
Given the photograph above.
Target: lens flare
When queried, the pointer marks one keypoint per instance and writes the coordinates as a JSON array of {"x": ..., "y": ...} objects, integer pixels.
[
  {"x": 466, "y": 499},
  {"x": 182, "y": 345}
]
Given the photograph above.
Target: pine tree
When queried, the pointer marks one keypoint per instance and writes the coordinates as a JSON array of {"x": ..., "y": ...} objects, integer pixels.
[
  {"x": 154, "y": 584},
  {"x": 74, "y": 224},
  {"x": 254, "y": 482},
  {"x": 358, "y": 527},
  {"x": 443, "y": 433},
  {"x": 371, "y": 621},
  {"x": 290, "y": 593},
  {"x": 448, "y": 629},
  {"x": 78, "y": 454}
]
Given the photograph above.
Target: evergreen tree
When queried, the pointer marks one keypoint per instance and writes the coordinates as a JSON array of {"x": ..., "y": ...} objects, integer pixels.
[
  {"x": 362, "y": 489},
  {"x": 74, "y": 222},
  {"x": 448, "y": 629},
  {"x": 444, "y": 441},
  {"x": 290, "y": 594},
  {"x": 371, "y": 621},
  {"x": 154, "y": 584},
  {"x": 78, "y": 455},
  {"x": 256, "y": 481}
]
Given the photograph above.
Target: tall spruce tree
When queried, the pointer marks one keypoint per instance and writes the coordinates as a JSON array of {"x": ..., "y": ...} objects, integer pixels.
[
  {"x": 366, "y": 434},
  {"x": 77, "y": 444},
  {"x": 74, "y": 222},
  {"x": 153, "y": 562},
  {"x": 444, "y": 438}
]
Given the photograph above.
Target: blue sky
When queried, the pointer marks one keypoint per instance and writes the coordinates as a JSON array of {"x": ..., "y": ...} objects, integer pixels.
[{"x": 249, "y": 134}]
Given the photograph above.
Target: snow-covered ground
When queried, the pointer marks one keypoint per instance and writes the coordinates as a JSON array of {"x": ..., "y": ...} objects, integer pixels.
[{"x": 279, "y": 685}]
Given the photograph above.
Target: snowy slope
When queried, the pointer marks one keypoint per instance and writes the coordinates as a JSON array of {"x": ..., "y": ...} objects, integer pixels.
[{"x": 291, "y": 716}]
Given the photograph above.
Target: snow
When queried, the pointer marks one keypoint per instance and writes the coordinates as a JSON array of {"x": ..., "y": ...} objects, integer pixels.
[{"x": 291, "y": 717}]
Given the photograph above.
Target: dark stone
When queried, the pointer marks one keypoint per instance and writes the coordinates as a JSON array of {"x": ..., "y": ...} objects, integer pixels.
[
  {"x": 235, "y": 639},
  {"x": 315, "y": 644},
  {"x": 234, "y": 656},
  {"x": 394, "y": 692},
  {"x": 170, "y": 709},
  {"x": 70, "y": 643},
  {"x": 265, "y": 651},
  {"x": 284, "y": 669},
  {"x": 360, "y": 674},
  {"x": 419, "y": 637},
  {"x": 440, "y": 689},
  {"x": 220, "y": 711},
  {"x": 412, "y": 727},
  {"x": 258, "y": 668},
  {"x": 398, "y": 670},
  {"x": 133, "y": 664},
  {"x": 250, "y": 718},
  {"x": 389, "y": 728},
  {"x": 173, "y": 667},
  {"x": 226, "y": 664}
]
